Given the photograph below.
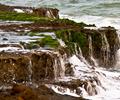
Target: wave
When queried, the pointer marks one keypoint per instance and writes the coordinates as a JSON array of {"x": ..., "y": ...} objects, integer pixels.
[{"x": 99, "y": 21}]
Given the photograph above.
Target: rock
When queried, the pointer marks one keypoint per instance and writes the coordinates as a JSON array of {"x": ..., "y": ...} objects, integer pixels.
[
  {"x": 11, "y": 45},
  {"x": 103, "y": 44},
  {"x": 41, "y": 12},
  {"x": 23, "y": 92},
  {"x": 77, "y": 84},
  {"x": 5, "y": 39},
  {"x": 69, "y": 70},
  {"x": 42, "y": 66},
  {"x": 22, "y": 67},
  {"x": 46, "y": 12},
  {"x": 13, "y": 67}
]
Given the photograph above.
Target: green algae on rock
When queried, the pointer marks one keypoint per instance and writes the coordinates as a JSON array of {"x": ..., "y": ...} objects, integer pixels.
[
  {"x": 46, "y": 42},
  {"x": 72, "y": 38},
  {"x": 13, "y": 16}
]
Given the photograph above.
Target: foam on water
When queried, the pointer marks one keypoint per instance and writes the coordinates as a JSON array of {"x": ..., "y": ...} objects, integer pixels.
[
  {"x": 62, "y": 91},
  {"x": 9, "y": 49},
  {"x": 110, "y": 81},
  {"x": 99, "y": 21},
  {"x": 108, "y": 89}
]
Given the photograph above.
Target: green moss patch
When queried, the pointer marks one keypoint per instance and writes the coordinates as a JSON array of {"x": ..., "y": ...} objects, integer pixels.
[
  {"x": 20, "y": 16},
  {"x": 47, "y": 42},
  {"x": 72, "y": 38},
  {"x": 14, "y": 16}
]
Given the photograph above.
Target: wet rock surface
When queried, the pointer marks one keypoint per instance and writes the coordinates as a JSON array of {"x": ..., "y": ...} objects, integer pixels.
[
  {"x": 23, "y": 92},
  {"x": 20, "y": 67}
]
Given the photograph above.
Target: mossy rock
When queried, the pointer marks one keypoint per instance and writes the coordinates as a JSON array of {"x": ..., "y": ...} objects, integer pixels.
[
  {"x": 48, "y": 41},
  {"x": 20, "y": 16},
  {"x": 45, "y": 42},
  {"x": 72, "y": 38}
]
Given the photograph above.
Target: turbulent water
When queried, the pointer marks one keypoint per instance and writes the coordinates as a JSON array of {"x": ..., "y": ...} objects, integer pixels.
[{"x": 98, "y": 12}]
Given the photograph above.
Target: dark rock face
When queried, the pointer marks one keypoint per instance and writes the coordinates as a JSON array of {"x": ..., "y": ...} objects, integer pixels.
[
  {"x": 68, "y": 70},
  {"x": 13, "y": 68},
  {"x": 42, "y": 66},
  {"x": 19, "y": 67},
  {"x": 113, "y": 42},
  {"x": 105, "y": 43},
  {"x": 11, "y": 45}
]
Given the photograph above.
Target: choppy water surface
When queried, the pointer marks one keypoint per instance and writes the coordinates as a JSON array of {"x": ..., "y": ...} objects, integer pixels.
[
  {"x": 75, "y": 7},
  {"x": 99, "y": 12}
]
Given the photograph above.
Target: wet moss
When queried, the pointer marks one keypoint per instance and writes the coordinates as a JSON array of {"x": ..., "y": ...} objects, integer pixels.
[
  {"x": 14, "y": 16},
  {"x": 20, "y": 16},
  {"x": 72, "y": 38},
  {"x": 36, "y": 34},
  {"x": 47, "y": 42}
]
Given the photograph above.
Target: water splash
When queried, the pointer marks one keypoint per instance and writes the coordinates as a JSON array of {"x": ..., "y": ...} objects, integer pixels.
[
  {"x": 91, "y": 51},
  {"x": 105, "y": 48}
]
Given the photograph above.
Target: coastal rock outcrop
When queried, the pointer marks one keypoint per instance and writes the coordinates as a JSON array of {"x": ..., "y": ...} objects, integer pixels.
[{"x": 60, "y": 53}]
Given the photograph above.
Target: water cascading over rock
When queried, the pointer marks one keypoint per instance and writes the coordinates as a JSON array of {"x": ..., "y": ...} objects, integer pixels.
[
  {"x": 98, "y": 46},
  {"x": 65, "y": 61}
]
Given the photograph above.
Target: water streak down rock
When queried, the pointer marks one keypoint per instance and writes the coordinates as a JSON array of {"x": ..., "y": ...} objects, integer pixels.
[{"x": 100, "y": 44}]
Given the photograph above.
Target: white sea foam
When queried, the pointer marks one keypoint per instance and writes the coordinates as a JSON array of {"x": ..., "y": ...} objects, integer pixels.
[
  {"x": 62, "y": 91},
  {"x": 111, "y": 83},
  {"x": 19, "y": 10},
  {"x": 99, "y": 21},
  {"x": 110, "y": 88},
  {"x": 9, "y": 49}
]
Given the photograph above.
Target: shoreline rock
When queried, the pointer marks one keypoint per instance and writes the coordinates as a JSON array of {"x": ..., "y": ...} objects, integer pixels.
[{"x": 46, "y": 60}]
